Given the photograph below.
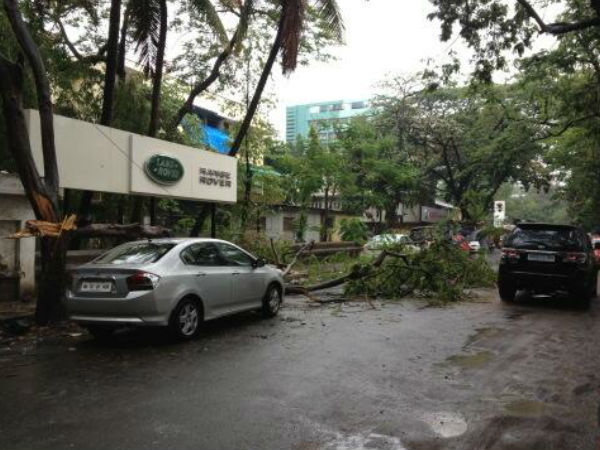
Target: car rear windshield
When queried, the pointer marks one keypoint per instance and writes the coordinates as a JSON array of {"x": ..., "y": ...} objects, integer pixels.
[
  {"x": 551, "y": 238},
  {"x": 135, "y": 253}
]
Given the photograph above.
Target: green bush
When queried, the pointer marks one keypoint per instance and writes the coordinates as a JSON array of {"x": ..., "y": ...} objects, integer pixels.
[{"x": 353, "y": 230}]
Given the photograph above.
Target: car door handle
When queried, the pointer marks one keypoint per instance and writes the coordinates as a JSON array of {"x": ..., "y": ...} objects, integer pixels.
[
  {"x": 235, "y": 273},
  {"x": 201, "y": 274}
]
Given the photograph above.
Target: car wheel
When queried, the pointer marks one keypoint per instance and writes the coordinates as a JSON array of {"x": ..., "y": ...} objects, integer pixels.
[
  {"x": 101, "y": 332},
  {"x": 272, "y": 301},
  {"x": 507, "y": 290},
  {"x": 185, "y": 319}
]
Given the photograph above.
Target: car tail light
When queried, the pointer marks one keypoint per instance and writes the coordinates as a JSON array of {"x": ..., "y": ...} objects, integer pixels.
[
  {"x": 575, "y": 257},
  {"x": 509, "y": 253},
  {"x": 142, "y": 281}
]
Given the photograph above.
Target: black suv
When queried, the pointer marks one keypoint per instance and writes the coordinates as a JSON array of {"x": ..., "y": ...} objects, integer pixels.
[{"x": 547, "y": 258}]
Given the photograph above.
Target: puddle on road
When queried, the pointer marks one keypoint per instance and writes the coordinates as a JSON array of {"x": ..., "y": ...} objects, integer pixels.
[
  {"x": 525, "y": 408},
  {"x": 446, "y": 424},
  {"x": 482, "y": 333},
  {"x": 365, "y": 442},
  {"x": 472, "y": 361}
]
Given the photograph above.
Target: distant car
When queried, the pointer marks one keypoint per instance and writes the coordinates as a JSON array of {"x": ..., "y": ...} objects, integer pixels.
[
  {"x": 474, "y": 246},
  {"x": 380, "y": 241},
  {"x": 545, "y": 258},
  {"x": 178, "y": 283}
]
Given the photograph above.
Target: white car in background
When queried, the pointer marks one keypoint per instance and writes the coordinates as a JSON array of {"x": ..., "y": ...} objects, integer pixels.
[{"x": 381, "y": 241}]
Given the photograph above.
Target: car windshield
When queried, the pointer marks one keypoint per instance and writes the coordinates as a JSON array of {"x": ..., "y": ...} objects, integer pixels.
[
  {"x": 135, "y": 253},
  {"x": 545, "y": 239}
]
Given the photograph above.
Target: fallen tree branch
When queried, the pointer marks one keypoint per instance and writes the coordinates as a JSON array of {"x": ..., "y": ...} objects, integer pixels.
[
  {"x": 357, "y": 272},
  {"x": 41, "y": 228},
  {"x": 276, "y": 256},
  {"x": 306, "y": 247},
  {"x": 129, "y": 231}
]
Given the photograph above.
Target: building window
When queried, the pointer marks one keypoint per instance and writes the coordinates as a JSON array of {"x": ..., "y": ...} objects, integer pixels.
[
  {"x": 314, "y": 109},
  {"x": 358, "y": 105},
  {"x": 288, "y": 223},
  {"x": 337, "y": 107}
]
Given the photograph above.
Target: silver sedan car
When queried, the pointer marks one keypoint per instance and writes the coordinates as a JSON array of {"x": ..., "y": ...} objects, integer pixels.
[{"x": 171, "y": 282}]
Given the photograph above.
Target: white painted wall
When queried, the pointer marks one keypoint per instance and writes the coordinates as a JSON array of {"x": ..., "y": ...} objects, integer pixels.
[
  {"x": 104, "y": 159},
  {"x": 14, "y": 206},
  {"x": 274, "y": 225}
]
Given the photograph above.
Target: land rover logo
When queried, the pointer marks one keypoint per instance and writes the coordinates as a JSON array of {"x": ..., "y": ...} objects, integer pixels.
[{"x": 163, "y": 169}]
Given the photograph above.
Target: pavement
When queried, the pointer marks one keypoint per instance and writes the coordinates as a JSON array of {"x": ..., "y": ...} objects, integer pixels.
[{"x": 399, "y": 375}]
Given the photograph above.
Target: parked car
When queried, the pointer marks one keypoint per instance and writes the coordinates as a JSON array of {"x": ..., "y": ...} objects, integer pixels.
[
  {"x": 545, "y": 258},
  {"x": 178, "y": 283},
  {"x": 380, "y": 241}
]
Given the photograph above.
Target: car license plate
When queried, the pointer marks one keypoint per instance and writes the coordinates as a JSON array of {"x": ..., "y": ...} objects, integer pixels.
[
  {"x": 96, "y": 286},
  {"x": 540, "y": 257}
]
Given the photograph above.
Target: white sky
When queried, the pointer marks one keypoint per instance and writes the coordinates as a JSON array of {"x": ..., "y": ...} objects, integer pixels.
[{"x": 383, "y": 37}]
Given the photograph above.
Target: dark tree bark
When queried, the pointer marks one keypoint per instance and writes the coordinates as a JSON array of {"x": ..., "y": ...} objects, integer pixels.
[
  {"x": 44, "y": 101},
  {"x": 137, "y": 209},
  {"x": 122, "y": 46},
  {"x": 111, "y": 62},
  {"x": 203, "y": 85},
  {"x": 112, "y": 45},
  {"x": 201, "y": 216},
  {"x": 215, "y": 72},
  {"x": 42, "y": 195},
  {"x": 158, "y": 70},
  {"x": 11, "y": 85},
  {"x": 275, "y": 48}
]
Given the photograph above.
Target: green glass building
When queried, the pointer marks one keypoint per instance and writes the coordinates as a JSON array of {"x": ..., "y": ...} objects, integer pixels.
[{"x": 322, "y": 116}]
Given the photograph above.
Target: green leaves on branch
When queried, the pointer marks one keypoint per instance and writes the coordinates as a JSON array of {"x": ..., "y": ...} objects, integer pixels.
[{"x": 441, "y": 272}]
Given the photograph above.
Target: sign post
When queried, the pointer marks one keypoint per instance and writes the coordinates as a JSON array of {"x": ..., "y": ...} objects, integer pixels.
[{"x": 499, "y": 213}]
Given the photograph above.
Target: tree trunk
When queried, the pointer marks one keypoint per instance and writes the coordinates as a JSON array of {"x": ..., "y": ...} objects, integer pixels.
[
  {"x": 84, "y": 210},
  {"x": 201, "y": 216},
  {"x": 158, "y": 70},
  {"x": 235, "y": 147},
  {"x": 52, "y": 279},
  {"x": 137, "y": 210},
  {"x": 111, "y": 62},
  {"x": 204, "y": 84},
  {"x": 325, "y": 229},
  {"x": 44, "y": 100},
  {"x": 11, "y": 85},
  {"x": 43, "y": 196},
  {"x": 122, "y": 47}
]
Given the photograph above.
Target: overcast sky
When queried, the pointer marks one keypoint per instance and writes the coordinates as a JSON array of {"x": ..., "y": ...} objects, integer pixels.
[{"x": 382, "y": 37}]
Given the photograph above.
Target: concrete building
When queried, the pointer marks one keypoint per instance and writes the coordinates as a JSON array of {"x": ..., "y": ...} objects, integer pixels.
[
  {"x": 323, "y": 116},
  {"x": 17, "y": 256}
]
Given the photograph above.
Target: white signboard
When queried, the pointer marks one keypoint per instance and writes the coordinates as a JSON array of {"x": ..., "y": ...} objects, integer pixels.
[
  {"x": 499, "y": 212},
  {"x": 104, "y": 159}
]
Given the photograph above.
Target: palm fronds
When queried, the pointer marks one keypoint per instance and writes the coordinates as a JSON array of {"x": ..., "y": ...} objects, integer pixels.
[
  {"x": 208, "y": 11},
  {"x": 144, "y": 19},
  {"x": 329, "y": 11},
  {"x": 291, "y": 30}
]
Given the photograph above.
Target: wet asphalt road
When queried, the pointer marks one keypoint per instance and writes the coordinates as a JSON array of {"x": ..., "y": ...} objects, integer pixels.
[{"x": 478, "y": 375}]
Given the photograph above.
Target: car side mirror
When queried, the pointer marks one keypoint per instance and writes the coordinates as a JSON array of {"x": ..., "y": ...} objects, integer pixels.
[{"x": 259, "y": 262}]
